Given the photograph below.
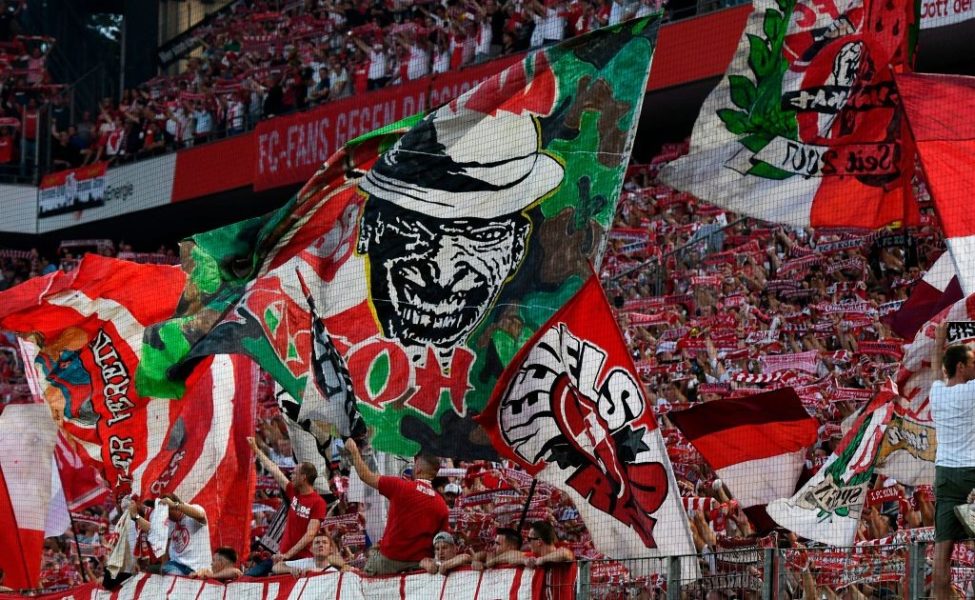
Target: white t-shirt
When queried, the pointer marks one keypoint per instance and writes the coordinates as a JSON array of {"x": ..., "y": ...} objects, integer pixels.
[
  {"x": 552, "y": 24},
  {"x": 419, "y": 63},
  {"x": 189, "y": 542},
  {"x": 953, "y": 410},
  {"x": 307, "y": 563},
  {"x": 377, "y": 64}
]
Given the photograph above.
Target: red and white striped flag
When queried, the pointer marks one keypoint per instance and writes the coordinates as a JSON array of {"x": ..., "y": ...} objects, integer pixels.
[
  {"x": 756, "y": 445},
  {"x": 89, "y": 326}
]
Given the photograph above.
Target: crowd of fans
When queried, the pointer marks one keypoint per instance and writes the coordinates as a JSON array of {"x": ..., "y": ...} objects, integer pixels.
[
  {"x": 265, "y": 58},
  {"x": 713, "y": 306}
]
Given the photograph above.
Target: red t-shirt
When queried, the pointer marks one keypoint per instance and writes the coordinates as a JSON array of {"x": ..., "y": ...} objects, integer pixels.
[
  {"x": 416, "y": 513},
  {"x": 302, "y": 509},
  {"x": 6, "y": 149}
]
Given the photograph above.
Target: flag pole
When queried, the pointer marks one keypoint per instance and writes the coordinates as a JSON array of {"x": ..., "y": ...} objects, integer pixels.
[
  {"x": 528, "y": 501},
  {"x": 77, "y": 545}
]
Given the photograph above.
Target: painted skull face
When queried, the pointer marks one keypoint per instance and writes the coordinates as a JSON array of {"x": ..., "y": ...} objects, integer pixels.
[{"x": 433, "y": 280}]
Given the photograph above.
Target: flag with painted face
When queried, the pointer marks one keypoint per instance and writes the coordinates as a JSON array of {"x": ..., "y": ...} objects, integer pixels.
[
  {"x": 432, "y": 254},
  {"x": 806, "y": 127},
  {"x": 570, "y": 409},
  {"x": 88, "y": 327}
]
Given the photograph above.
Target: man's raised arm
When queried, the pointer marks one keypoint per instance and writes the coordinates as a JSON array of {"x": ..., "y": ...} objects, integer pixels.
[
  {"x": 272, "y": 468},
  {"x": 365, "y": 474}
]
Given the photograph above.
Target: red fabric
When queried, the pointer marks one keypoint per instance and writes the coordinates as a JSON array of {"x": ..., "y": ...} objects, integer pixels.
[
  {"x": 303, "y": 508},
  {"x": 6, "y": 149},
  {"x": 17, "y": 573},
  {"x": 560, "y": 581},
  {"x": 416, "y": 514},
  {"x": 30, "y": 124}
]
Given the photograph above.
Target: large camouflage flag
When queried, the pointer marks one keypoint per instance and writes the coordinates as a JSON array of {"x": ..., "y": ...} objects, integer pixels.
[
  {"x": 432, "y": 264},
  {"x": 806, "y": 127}
]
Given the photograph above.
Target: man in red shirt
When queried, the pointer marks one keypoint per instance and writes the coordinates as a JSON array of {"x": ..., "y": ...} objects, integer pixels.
[
  {"x": 416, "y": 513},
  {"x": 306, "y": 511}
]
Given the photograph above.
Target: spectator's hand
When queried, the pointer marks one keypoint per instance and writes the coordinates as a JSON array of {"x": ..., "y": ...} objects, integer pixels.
[
  {"x": 352, "y": 447},
  {"x": 134, "y": 507},
  {"x": 429, "y": 565},
  {"x": 278, "y": 557},
  {"x": 253, "y": 444},
  {"x": 203, "y": 573},
  {"x": 477, "y": 565}
]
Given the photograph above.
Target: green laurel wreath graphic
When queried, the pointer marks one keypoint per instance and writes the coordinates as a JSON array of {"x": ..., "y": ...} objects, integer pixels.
[{"x": 761, "y": 118}]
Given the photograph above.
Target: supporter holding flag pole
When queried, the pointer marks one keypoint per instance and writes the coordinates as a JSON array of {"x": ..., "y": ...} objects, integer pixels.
[
  {"x": 756, "y": 445},
  {"x": 805, "y": 128}
]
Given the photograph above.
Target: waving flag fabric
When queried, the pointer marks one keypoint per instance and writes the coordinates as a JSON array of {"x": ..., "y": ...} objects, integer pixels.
[
  {"x": 939, "y": 109},
  {"x": 936, "y": 291},
  {"x": 827, "y": 508},
  {"x": 756, "y": 445},
  {"x": 571, "y": 410},
  {"x": 27, "y": 437},
  {"x": 806, "y": 127},
  {"x": 431, "y": 263},
  {"x": 88, "y": 325},
  {"x": 911, "y": 441}
]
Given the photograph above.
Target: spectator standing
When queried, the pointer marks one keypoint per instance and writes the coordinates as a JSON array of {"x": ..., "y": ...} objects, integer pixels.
[
  {"x": 416, "y": 514},
  {"x": 507, "y": 550},
  {"x": 189, "y": 538},
  {"x": 953, "y": 411},
  {"x": 306, "y": 511}
]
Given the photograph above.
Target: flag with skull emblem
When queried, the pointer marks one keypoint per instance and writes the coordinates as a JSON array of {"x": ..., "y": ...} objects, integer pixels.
[{"x": 571, "y": 410}]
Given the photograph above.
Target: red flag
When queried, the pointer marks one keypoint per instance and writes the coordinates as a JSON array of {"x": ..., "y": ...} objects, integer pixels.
[
  {"x": 939, "y": 110},
  {"x": 937, "y": 290},
  {"x": 571, "y": 410},
  {"x": 89, "y": 326},
  {"x": 82, "y": 484}
]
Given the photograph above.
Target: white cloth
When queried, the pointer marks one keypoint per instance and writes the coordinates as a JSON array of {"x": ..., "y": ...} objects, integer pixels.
[
  {"x": 158, "y": 531},
  {"x": 189, "y": 542},
  {"x": 122, "y": 558},
  {"x": 953, "y": 410},
  {"x": 306, "y": 563},
  {"x": 552, "y": 24}
]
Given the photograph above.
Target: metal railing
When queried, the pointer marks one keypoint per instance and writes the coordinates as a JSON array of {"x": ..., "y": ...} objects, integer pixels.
[{"x": 881, "y": 571}]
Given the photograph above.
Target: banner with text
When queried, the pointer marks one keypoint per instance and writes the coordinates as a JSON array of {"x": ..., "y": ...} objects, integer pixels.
[{"x": 290, "y": 149}]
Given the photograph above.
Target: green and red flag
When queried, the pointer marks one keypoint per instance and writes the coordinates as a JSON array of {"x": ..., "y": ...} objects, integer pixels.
[
  {"x": 806, "y": 127},
  {"x": 432, "y": 255}
]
